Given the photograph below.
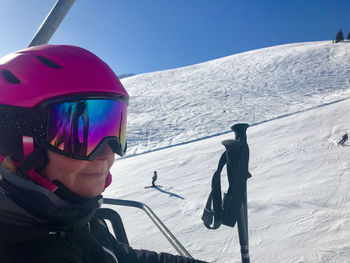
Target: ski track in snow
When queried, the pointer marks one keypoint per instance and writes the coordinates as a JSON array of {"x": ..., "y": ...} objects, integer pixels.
[{"x": 298, "y": 197}]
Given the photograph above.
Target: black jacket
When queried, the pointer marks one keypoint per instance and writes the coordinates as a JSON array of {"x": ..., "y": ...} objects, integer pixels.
[{"x": 39, "y": 226}]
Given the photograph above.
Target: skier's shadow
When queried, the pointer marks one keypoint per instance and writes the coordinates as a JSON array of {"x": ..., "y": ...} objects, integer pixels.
[{"x": 169, "y": 193}]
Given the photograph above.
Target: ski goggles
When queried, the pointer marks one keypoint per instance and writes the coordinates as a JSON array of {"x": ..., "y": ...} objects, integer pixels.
[{"x": 82, "y": 128}]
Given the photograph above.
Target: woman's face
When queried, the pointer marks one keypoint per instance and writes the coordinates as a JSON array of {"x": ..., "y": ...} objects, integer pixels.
[{"x": 85, "y": 178}]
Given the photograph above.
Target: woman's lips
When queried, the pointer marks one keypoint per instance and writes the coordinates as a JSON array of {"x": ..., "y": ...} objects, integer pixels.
[{"x": 94, "y": 174}]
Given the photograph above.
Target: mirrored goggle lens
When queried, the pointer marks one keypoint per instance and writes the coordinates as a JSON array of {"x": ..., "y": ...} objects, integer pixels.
[{"x": 78, "y": 127}]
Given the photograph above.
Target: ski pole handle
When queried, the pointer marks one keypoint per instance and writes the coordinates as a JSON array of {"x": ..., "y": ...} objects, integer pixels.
[{"x": 240, "y": 131}]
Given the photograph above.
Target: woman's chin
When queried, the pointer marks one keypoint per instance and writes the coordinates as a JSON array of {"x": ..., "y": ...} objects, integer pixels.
[{"x": 91, "y": 186}]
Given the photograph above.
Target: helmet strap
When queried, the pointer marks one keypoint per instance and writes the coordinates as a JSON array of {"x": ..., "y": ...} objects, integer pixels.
[
  {"x": 31, "y": 163},
  {"x": 28, "y": 145}
]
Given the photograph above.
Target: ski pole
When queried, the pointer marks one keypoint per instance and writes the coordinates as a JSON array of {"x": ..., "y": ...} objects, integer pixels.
[
  {"x": 51, "y": 22},
  {"x": 242, "y": 220},
  {"x": 242, "y": 225}
]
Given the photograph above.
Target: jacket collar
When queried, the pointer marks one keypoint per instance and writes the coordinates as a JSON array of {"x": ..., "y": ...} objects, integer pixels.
[{"x": 28, "y": 207}]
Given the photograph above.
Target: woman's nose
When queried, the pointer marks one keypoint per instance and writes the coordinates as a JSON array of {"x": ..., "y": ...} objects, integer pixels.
[{"x": 106, "y": 154}]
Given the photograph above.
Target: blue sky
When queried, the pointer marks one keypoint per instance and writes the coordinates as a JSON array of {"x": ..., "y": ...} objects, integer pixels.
[{"x": 138, "y": 36}]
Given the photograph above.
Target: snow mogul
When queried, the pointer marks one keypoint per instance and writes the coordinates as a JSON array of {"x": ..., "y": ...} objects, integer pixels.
[{"x": 63, "y": 116}]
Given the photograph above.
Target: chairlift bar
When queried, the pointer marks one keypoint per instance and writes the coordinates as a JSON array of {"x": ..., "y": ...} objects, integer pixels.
[
  {"x": 165, "y": 231},
  {"x": 51, "y": 22}
]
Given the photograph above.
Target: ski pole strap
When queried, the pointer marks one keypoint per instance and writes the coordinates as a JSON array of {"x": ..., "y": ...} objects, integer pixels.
[
  {"x": 226, "y": 211},
  {"x": 213, "y": 209}
]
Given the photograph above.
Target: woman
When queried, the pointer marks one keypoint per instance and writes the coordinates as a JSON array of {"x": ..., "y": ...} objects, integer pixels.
[{"x": 62, "y": 118}]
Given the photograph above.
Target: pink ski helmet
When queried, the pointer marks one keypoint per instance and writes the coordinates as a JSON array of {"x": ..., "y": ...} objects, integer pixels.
[{"x": 58, "y": 97}]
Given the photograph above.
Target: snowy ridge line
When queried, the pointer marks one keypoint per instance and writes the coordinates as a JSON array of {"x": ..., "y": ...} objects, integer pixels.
[{"x": 226, "y": 132}]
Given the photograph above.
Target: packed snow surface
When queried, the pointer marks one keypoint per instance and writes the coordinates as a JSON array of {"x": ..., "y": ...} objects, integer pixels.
[
  {"x": 173, "y": 106},
  {"x": 295, "y": 97}
]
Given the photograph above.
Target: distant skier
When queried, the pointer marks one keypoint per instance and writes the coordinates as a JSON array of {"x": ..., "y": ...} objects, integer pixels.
[
  {"x": 344, "y": 139},
  {"x": 154, "y": 179}
]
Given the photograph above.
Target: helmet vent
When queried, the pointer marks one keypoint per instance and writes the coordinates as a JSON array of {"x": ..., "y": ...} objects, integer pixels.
[
  {"x": 48, "y": 62},
  {"x": 10, "y": 77}
]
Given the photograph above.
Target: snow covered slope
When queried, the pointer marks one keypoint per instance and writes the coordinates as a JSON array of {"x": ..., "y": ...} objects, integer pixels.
[
  {"x": 298, "y": 197},
  {"x": 171, "y": 106}
]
